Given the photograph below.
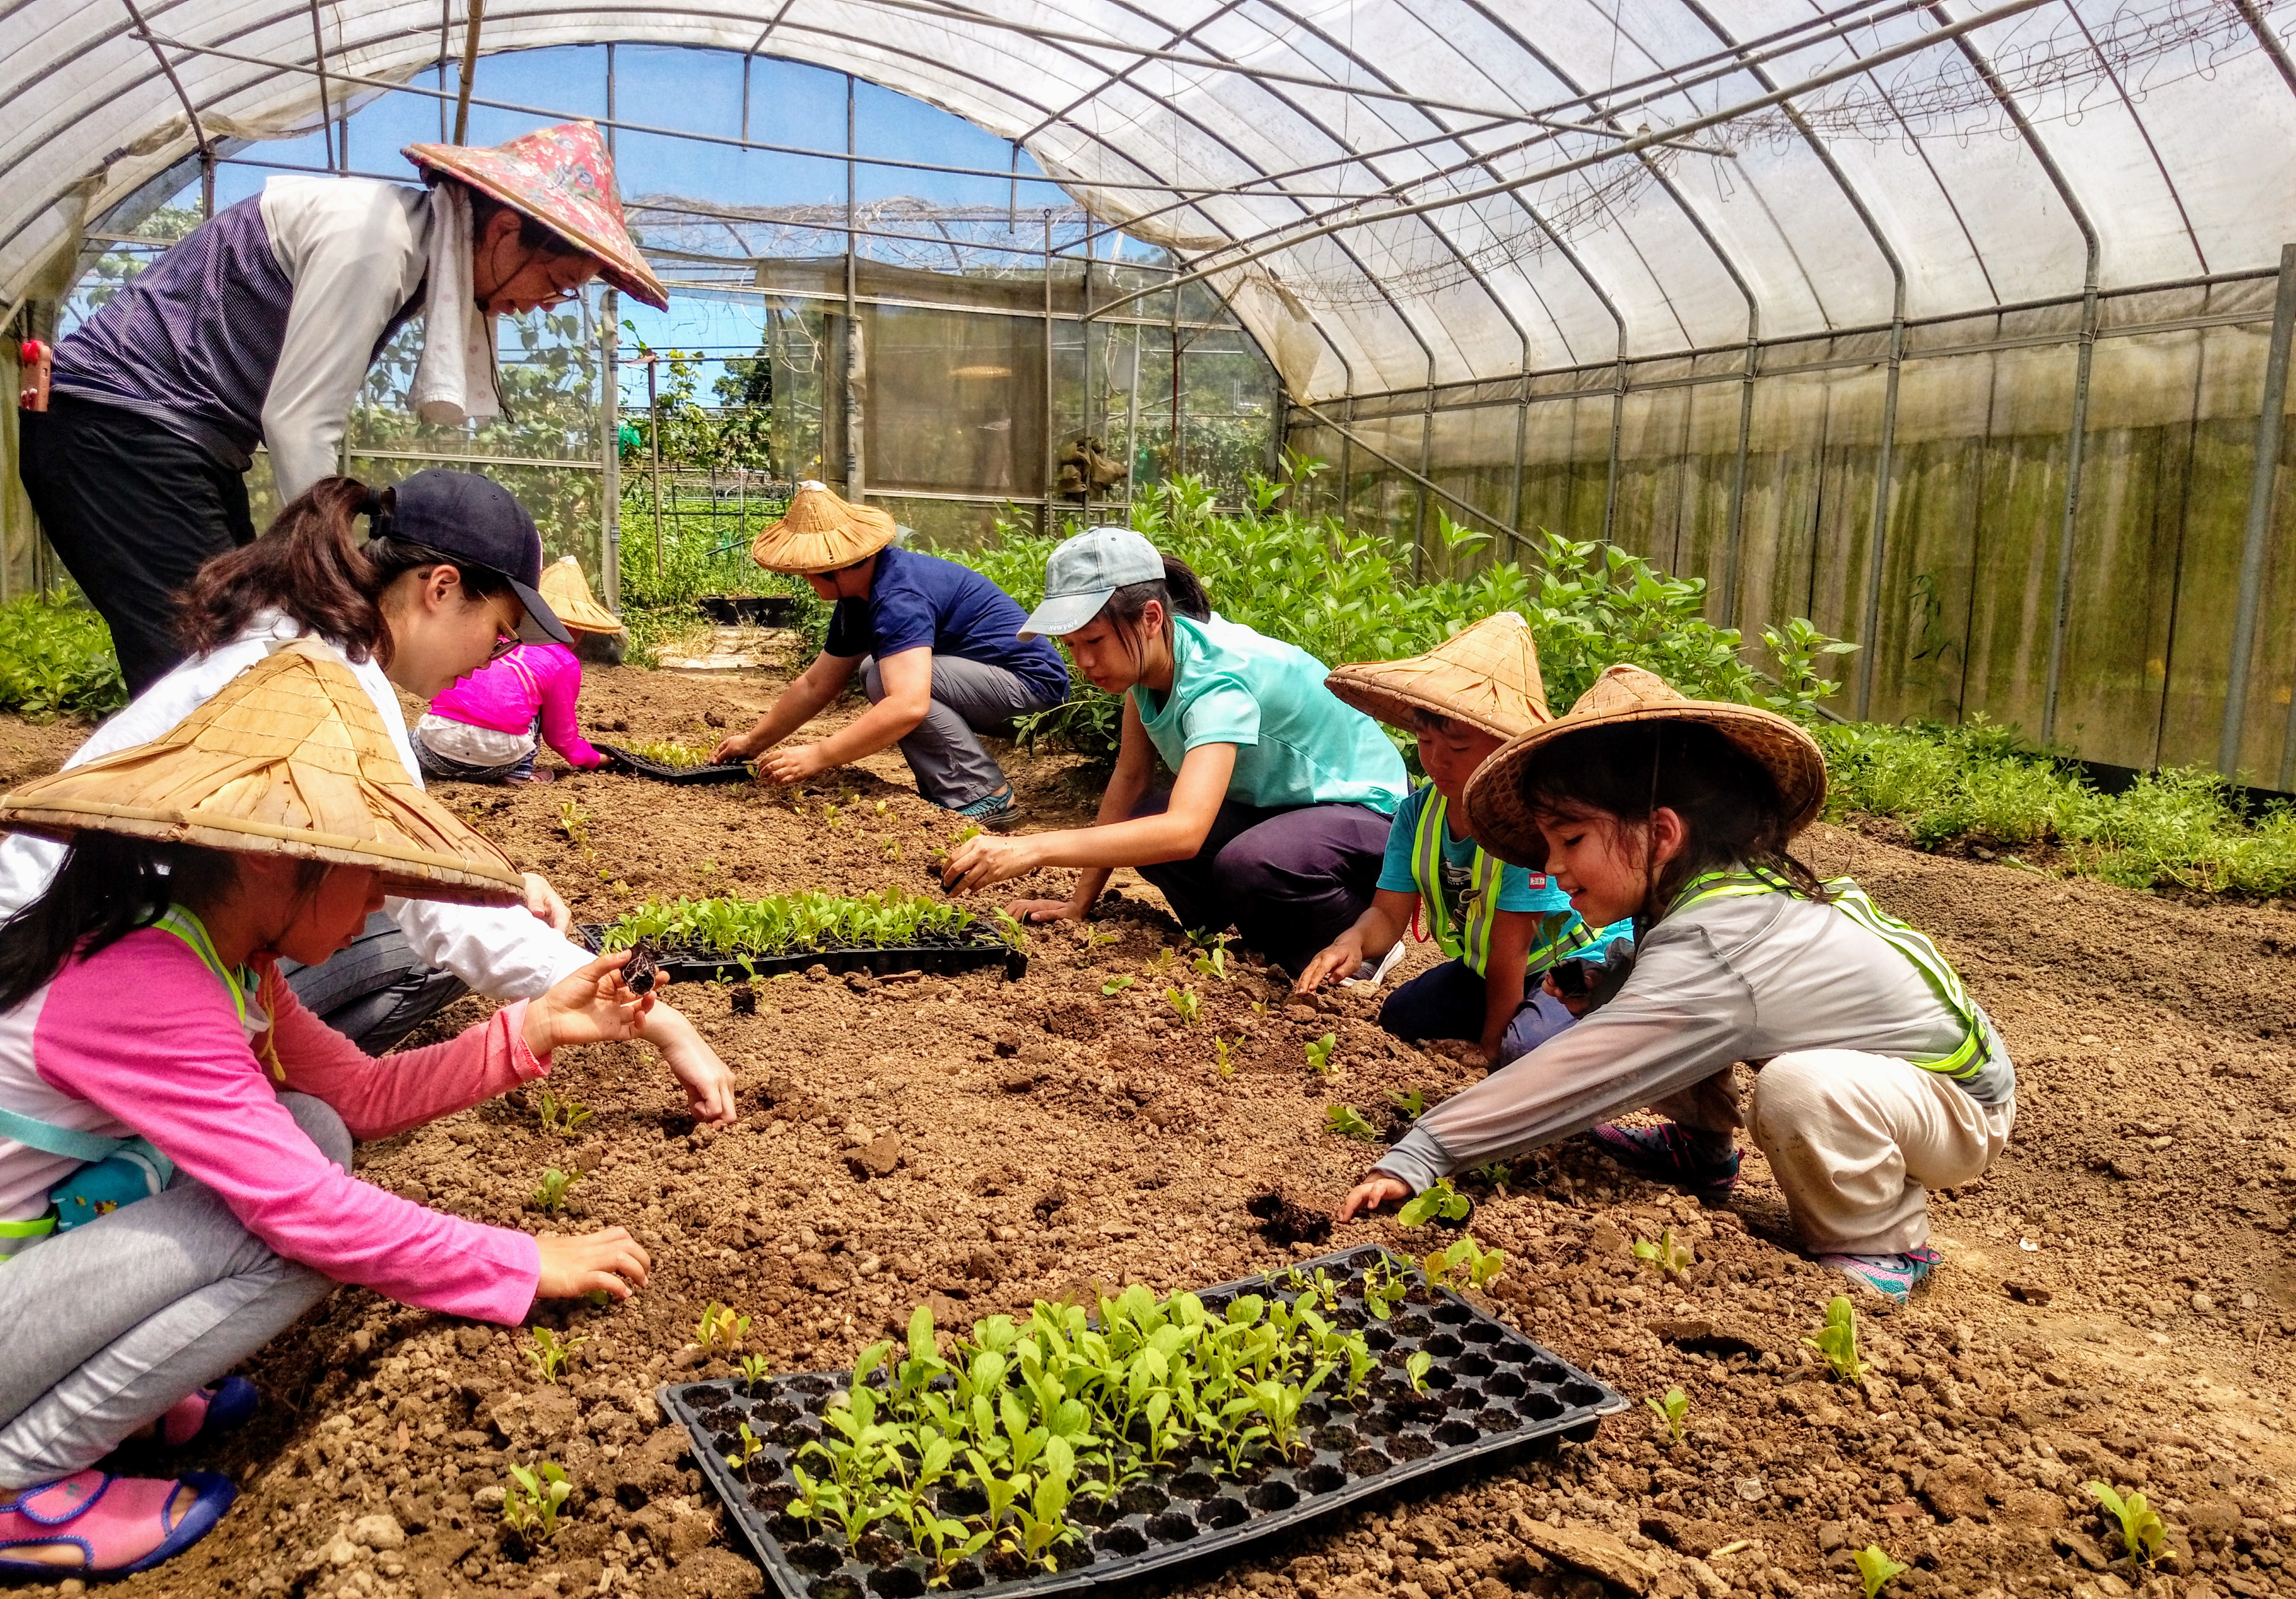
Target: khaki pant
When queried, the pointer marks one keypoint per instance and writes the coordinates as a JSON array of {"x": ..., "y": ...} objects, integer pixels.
[{"x": 1855, "y": 1140}]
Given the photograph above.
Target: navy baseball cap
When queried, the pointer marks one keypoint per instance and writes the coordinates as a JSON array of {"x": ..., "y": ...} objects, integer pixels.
[{"x": 477, "y": 521}]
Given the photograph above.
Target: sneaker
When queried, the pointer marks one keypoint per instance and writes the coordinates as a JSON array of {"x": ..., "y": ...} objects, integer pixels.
[
  {"x": 1891, "y": 1275},
  {"x": 1374, "y": 973},
  {"x": 1706, "y": 1164},
  {"x": 994, "y": 812}
]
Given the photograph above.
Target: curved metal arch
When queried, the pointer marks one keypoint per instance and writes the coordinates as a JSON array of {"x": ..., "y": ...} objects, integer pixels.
[{"x": 2176, "y": 195}]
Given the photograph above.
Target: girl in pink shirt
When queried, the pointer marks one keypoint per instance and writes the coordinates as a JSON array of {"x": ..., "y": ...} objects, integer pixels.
[
  {"x": 483, "y": 729},
  {"x": 140, "y": 998}
]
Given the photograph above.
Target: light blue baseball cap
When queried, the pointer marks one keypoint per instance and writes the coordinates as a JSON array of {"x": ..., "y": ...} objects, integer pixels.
[{"x": 1083, "y": 571}]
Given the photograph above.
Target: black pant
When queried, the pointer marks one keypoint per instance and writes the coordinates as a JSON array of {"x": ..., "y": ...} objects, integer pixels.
[
  {"x": 377, "y": 991},
  {"x": 134, "y": 510},
  {"x": 1290, "y": 881}
]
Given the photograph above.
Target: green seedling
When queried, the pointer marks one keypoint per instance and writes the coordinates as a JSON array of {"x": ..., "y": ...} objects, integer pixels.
[
  {"x": 882, "y": 807},
  {"x": 532, "y": 1500},
  {"x": 720, "y": 1329},
  {"x": 1440, "y": 1201},
  {"x": 2143, "y": 1537},
  {"x": 1670, "y": 1410},
  {"x": 1875, "y": 1568},
  {"x": 1160, "y": 962},
  {"x": 829, "y": 814},
  {"x": 1259, "y": 1007},
  {"x": 1411, "y": 1102},
  {"x": 780, "y": 925},
  {"x": 574, "y": 822},
  {"x": 967, "y": 834},
  {"x": 1319, "y": 1054},
  {"x": 755, "y": 1369},
  {"x": 892, "y": 849},
  {"x": 1416, "y": 1369},
  {"x": 1349, "y": 1122},
  {"x": 598, "y": 1299},
  {"x": 1837, "y": 1341},
  {"x": 564, "y": 1117},
  {"x": 1668, "y": 1255},
  {"x": 1498, "y": 1173},
  {"x": 1465, "y": 1264},
  {"x": 1012, "y": 930},
  {"x": 1117, "y": 985},
  {"x": 549, "y": 1195},
  {"x": 1223, "y": 1057},
  {"x": 1185, "y": 1004},
  {"x": 671, "y": 754},
  {"x": 1383, "y": 1289},
  {"x": 1213, "y": 962},
  {"x": 550, "y": 1353},
  {"x": 1094, "y": 941},
  {"x": 747, "y": 1450}
]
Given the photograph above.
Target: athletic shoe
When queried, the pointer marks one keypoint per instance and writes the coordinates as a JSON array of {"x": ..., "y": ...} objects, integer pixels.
[
  {"x": 1706, "y": 1164},
  {"x": 1894, "y": 1276},
  {"x": 118, "y": 1524},
  {"x": 994, "y": 812},
  {"x": 203, "y": 1416},
  {"x": 1373, "y": 973}
]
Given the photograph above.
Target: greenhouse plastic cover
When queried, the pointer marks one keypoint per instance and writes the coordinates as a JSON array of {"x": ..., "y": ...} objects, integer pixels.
[{"x": 2117, "y": 142}]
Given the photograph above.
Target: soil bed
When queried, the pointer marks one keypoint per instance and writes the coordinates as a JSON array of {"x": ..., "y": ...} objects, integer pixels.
[{"x": 978, "y": 1144}]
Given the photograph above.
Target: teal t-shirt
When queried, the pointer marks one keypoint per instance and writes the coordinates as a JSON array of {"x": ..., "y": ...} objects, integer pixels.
[
  {"x": 1519, "y": 890},
  {"x": 1295, "y": 743}
]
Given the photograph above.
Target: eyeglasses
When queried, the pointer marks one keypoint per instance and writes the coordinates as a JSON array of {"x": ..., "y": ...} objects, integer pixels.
[{"x": 505, "y": 644}]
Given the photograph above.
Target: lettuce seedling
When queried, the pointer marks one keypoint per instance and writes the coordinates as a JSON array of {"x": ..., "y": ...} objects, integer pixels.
[
  {"x": 1438, "y": 1203},
  {"x": 720, "y": 1329},
  {"x": 1012, "y": 930},
  {"x": 564, "y": 1117},
  {"x": 1875, "y": 1568},
  {"x": 1160, "y": 962},
  {"x": 1416, "y": 1369},
  {"x": 1670, "y": 1410},
  {"x": 755, "y": 1369},
  {"x": 1837, "y": 1341},
  {"x": 746, "y": 1450},
  {"x": 1411, "y": 1102},
  {"x": 1213, "y": 962},
  {"x": 1383, "y": 1289},
  {"x": 1319, "y": 1054},
  {"x": 1117, "y": 985},
  {"x": 1465, "y": 1264},
  {"x": 1349, "y": 1122},
  {"x": 1185, "y": 1004},
  {"x": 1668, "y": 1255},
  {"x": 531, "y": 1502},
  {"x": 1223, "y": 1057},
  {"x": 551, "y": 1353},
  {"x": 892, "y": 849},
  {"x": 1498, "y": 1174},
  {"x": 550, "y": 1193},
  {"x": 2143, "y": 1537}
]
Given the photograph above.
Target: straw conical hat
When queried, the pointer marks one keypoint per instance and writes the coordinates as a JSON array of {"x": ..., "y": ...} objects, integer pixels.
[
  {"x": 568, "y": 592},
  {"x": 1486, "y": 675},
  {"x": 289, "y": 757},
  {"x": 1502, "y": 824},
  {"x": 563, "y": 178},
  {"x": 821, "y": 532}
]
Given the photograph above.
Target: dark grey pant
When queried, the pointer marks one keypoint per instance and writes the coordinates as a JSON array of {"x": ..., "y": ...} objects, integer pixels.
[
  {"x": 109, "y": 1325},
  {"x": 1290, "y": 880},
  {"x": 377, "y": 991},
  {"x": 969, "y": 698}
]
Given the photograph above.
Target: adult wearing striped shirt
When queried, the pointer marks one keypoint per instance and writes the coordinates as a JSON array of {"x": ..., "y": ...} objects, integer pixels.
[{"x": 259, "y": 328}]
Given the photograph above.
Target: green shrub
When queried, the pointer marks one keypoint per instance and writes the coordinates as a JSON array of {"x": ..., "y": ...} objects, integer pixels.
[{"x": 57, "y": 661}]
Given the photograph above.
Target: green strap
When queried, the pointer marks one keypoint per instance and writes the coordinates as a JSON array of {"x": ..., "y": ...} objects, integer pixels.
[
  {"x": 1474, "y": 943},
  {"x": 50, "y": 1139},
  {"x": 19, "y": 1235},
  {"x": 186, "y": 925},
  {"x": 1964, "y": 1062}
]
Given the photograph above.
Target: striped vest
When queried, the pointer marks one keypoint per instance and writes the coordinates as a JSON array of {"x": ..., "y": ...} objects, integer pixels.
[{"x": 1561, "y": 933}]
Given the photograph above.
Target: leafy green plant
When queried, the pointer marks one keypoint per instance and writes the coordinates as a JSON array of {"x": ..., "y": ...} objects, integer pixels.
[
  {"x": 1319, "y": 1054},
  {"x": 799, "y": 924},
  {"x": 755, "y": 1369},
  {"x": 1667, "y": 1256},
  {"x": 574, "y": 822},
  {"x": 1837, "y": 1341},
  {"x": 1875, "y": 1568},
  {"x": 564, "y": 1117},
  {"x": 1213, "y": 962},
  {"x": 748, "y": 1449},
  {"x": 1162, "y": 961},
  {"x": 1411, "y": 1102},
  {"x": 1384, "y": 1289},
  {"x": 549, "y": 1195},
  {"x": 1439, "y": 1202},
  {"x": 2143, "y": 1535},
  {"x": 57, "y": 661},
  {"x": 549, "y": 1353},
  {"x": 1185, "y": 1004},
  {"x": 1117, "y": 985},
  {"x": 1669, "y": 1411},
  {"x": 1464, "y": 1263},
  {"x": 668, "y": 752},
  {"x": 720, "y": 1329},
  {"x": 1498, "y": 1173},
  {"x": 1223, "y": 1057},
  {"x": 533, "y": 1499},
  {"x": 1349, "y": 1122},
  {"x": 1091, "y": 941},
  {"x": 1011, "y": 929},
  {"x": 1416, "y": 1369}
]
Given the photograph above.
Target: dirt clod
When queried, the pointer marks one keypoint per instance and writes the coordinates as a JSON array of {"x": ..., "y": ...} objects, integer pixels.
[{"x": 1284, "y": 1221}]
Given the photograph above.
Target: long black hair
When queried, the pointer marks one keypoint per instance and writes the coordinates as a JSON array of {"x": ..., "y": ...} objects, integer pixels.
[
  {"x": 108, "y": 887},
  {"x": 1180, "y": 592},
  {"x": 1732, "y": 815}
]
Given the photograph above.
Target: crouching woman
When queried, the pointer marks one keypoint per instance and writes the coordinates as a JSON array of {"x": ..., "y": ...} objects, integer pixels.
[
  {"x": 1877, "y": 1077},
  {"x": 175, "y": 1130}
]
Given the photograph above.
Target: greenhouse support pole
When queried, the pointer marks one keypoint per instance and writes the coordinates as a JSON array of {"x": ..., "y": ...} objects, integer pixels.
[
  {"x": 856, "y": 485},
  {"x": 1048, "y": 464},
  {"x": 610, "y": 519},
  {"x": 2256, "y": 540},
  {"x": 469, "y": 69},
  {"x": 653, "y": 409},
  {"x": 1617, "y": 427},
  {"x": 1735, "y": 539},
  {"x": 1881, "y": 509}
]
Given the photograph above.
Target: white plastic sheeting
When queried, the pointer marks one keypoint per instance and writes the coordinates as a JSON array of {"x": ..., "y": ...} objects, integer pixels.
[{"x": 2141, "y": 140}]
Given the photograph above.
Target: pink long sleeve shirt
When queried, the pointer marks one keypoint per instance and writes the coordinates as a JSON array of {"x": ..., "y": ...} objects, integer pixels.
[
  {"x": 504, "y": 695},
  {"x": 144, "y": 1038}
]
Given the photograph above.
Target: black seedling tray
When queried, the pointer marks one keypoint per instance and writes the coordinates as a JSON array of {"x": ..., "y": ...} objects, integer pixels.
[
  {"x": 748, "y": 611},
  {"x": 631, "y": 761},
  {"x": 679, "y": 965},
  {"x": 1490, "y": 1391}
]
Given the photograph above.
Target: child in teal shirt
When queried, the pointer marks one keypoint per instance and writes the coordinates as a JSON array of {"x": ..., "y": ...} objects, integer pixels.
[{"x": 1500, "y": 925}]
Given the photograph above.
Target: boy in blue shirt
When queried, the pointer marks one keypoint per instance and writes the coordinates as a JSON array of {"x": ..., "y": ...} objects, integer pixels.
[{"x": 1500, "y": 925}]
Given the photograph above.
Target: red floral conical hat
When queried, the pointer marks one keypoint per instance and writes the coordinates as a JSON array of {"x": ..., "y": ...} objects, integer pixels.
[{"x": 562, "y": 178}]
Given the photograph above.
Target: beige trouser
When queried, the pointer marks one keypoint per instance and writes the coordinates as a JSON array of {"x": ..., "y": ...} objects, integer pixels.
[{"x": 1855, "y": 1140}]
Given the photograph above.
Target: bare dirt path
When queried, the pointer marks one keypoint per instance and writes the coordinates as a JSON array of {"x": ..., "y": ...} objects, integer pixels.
[{"x": 2120, "y": 1302}]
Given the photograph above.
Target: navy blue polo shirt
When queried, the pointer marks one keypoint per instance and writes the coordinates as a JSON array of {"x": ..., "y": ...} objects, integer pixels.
[{"x": 922, "y": 602}]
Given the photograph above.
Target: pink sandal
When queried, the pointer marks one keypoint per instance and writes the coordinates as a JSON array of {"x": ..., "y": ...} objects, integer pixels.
[{"x": 110, "y": 1520}]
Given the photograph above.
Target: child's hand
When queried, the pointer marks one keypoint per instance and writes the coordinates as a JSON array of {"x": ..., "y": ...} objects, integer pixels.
[
  {"x": 1371, "y": 1193},
  {"x": 1578, "y": 1005},
  {"x": 609, "y": 1261},
  {"x": 544, "y": 905},
  {"x": 1339, "y": 958},
  {"x": 592, "y": 1005}
]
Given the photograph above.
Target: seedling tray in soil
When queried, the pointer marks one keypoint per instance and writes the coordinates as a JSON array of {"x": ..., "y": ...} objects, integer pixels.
[
  {"x": 631, "y": 761},
  {"x": 1489, "y": 1390},
  {"x": 748, "y": 611},
  {"x": 687, "y": 965}
]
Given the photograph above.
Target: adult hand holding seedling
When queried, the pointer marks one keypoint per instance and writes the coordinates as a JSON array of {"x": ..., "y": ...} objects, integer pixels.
[
  {"x": 1368, "y": 1195},
  {"x": 591, "y": 1005},
  {"x": 607, "y": 1261}
]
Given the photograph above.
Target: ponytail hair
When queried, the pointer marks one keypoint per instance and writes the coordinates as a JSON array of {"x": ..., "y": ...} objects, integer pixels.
[
  {"x": 1180, "y": 592},
  {"x": 110, "y": 886},
  {"x": 309, "y": 565}
]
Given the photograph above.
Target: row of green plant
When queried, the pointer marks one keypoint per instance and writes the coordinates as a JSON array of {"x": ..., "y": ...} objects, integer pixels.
[
  {"x": 56, "y": 660},
  {"x": 1035, "y": 1416},
  {"x": 781, "y": 924}
]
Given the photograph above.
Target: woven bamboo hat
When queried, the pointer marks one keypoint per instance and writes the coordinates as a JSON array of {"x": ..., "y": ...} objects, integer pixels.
[
  {"x": 821, "y": 532},
  {"x": 1503, "y": 822},
  {"x": 289, "y": 757},
  {"x": 1486, "y": 675},
  {"x": 568, "y": 592}
]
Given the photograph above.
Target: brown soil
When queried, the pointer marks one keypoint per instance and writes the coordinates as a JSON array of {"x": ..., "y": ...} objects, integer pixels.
[{"x": 2118, "y": 1302}]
